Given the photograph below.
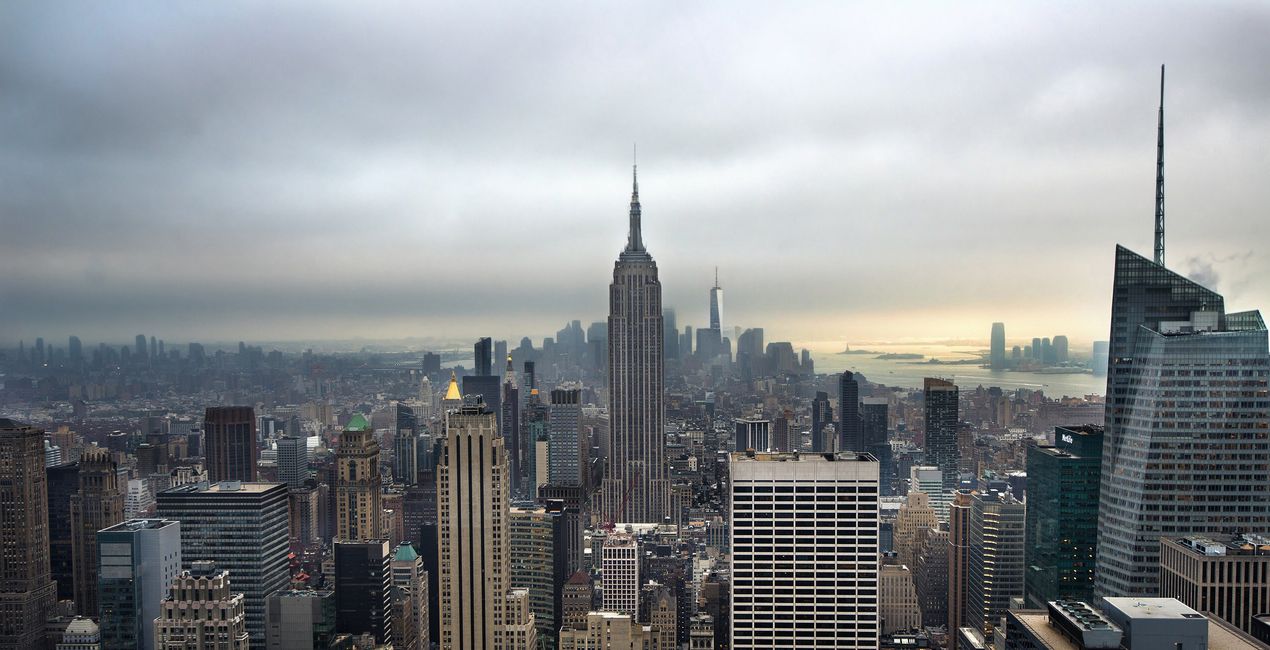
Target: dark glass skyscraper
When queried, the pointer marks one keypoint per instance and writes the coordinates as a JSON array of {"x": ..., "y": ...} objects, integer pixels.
[
  {"x": 229, "y": 439},
  {"x": 821, "y": 417},
  {"x": 941, "y": 429},
  {"x": 363, "y": 584},
  {"x": 482, "y": 354},
  {"x": 635, "y": 484},
  {"x": 849, "y": 424},
  {"x": 1062, "y": 516},
  {"x": 1187, "y": 442}
]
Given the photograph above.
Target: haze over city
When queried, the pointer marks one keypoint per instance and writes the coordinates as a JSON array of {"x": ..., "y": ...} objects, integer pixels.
[{"x": 234, "y": 171}]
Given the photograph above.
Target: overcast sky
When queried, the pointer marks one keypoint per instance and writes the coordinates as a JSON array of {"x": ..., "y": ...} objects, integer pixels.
[{"x": 267, "y": 171}]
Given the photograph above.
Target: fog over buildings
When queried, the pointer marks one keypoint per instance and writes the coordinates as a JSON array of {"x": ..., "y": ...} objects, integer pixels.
[{"x": 238, "y": 171}]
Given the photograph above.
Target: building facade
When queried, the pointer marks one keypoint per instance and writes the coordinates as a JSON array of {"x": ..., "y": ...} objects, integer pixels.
[
  {"x": 358, "y": 488},
  {"x": 202, "y": 612},
  {"x": 1062, "y": 516},
  {"x": 994, "y": 566},
  {"x": 138, "y": 561},
  {"x": 27, "y": 590},
  {"x": 1227, "y": 576},
  {"x": 230, "y": 449},
  {"x": 98, "y": 504},
  {"x": 363, "y": 588},
  {"x": 619, "y": 574}
]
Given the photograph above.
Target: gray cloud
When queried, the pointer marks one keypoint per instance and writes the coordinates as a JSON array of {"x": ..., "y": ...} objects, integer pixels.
[{"x": 239, "y": 170}]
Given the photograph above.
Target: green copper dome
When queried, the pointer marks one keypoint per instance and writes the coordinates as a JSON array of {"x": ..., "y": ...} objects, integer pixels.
[{"x": 357, "y": 423}]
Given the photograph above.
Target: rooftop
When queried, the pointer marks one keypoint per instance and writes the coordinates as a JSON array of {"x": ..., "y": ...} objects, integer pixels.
[
  {"x": 141, "y": 524},
  {"x": 224, "y": 487},
  {"x": 357, "y": 423},
  {"x": 794, "y": 456}
]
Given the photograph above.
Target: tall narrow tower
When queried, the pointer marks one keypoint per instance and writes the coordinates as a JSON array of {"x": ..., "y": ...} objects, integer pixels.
[
  {"x": 635, "y": 485},
  {"x": 716, "y": 303},
  {"x": 358, "y": 502},
  {"x": 1159, "y": 180}
]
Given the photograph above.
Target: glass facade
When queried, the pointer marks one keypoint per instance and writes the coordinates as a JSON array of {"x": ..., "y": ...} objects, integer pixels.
[
  {"x": 1186, "y": 448},
  {"x": 1062, "y": 516}
]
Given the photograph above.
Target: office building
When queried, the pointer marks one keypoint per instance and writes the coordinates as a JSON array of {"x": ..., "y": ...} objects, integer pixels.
[
  {"x": 509, "y": 423},
  {"x": 821, "y": 417},
  {"x": 716, "y": 303},
  {"x": 81, "y": 634},
  {"x": 300, "y": 619},
  {"x": 994, "y": 566},
  {"x": 804, "y": 545},
  {"x": 27, "y": 590},
  {"x": 1187, "y": 382},
  {"x": 472, "y": 503},
  {"x": 607, "y": 631},
  {"x": 930, "y": 578},
  {"x": 897, "y": 599},
  {"x": 293, "y": 461},
  {"x": 753, "y": 434},
  {"x": 914, "y": 519},
  {"x": 575, "y": 601},
  {"x": 635, "y": 481},
  {"x": 1062, "y": 516},
  {"x": 410, "y": 624},
  {"x": 567, "y": 446},
  {"x": 850, "y": 426},
  {"x": 996, "y": 351},
  {"x": 532, "y": 566},
  {"x": 203, "y": 612},
  {"x": 1225, "y": 576},
  {"x": 243, "y": 528},
  {"x": 941, "y": 429},
  {"x": 619, "y": 574},
  {"x": 138, "y": 561},
  {"x": 358, "y": 486},
  {"x": 958, "y": 556},
  {"x": 230, "y": 449},
  {"x": 405, "y": 458},
  {"x": 63, "y": 484},
  {"x": 483, "y": 356},
  {"x": 670, "y": 334},
  {"x": 363, "y": 588},
  {"x": 98, "y": 504}
]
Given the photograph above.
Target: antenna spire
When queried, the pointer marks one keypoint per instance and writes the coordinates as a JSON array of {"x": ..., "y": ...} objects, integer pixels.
[
  {"x": 635, "y": 239},
  {"x": 1159, "y": 180}
]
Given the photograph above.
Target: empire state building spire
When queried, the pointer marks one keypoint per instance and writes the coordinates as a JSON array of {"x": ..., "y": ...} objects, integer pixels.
[{"x": 635, "y": 240}]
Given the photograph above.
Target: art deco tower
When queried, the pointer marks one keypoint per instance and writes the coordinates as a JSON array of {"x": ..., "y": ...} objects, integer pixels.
[
  {"x": 358, "y": 504},
  {"x": 635, "y": 485},
  {"x": 27, "y": 589}
]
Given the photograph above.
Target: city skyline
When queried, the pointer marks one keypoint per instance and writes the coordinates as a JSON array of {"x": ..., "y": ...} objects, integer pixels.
[{"x": 344, "y": 208}]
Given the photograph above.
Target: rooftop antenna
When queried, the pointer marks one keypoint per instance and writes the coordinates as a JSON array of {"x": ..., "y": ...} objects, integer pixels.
[{"x": 1159, "y": 180}]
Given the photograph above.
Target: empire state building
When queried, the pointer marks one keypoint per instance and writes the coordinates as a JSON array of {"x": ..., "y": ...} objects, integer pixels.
[{"x": 635, "y": 488}]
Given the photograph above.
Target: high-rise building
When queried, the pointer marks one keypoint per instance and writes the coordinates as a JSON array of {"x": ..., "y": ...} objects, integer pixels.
[
  {"x": 829, "y": 504},
  {"x": 483, "y": 359},
  {"x": 229, "y": 443},
  {"x": 243, "y": 528},
  {"x": 472, "y": 504},
  {"x": 509, "y": 423},
  {"x": 670, "y": 334},
  {"x": 850, "y": 426},
  {"x": 1187, "y": 407},
  {"x": 875, "y": 430},
  {"x": 363, "y": 588},
  {"x": 63, "y": 484},
  {"x": 914, "y": 519},
  {"x": 81, "y": 634},
  {"x": 300, "y": 619},
  {"x": 716, "y": 303},
  {"x": 996, "y": 353},
  {"x": 139, "y": 559},
  {"x": 533, "y": 564},
  {"x": 405, "y": 458},
  {"x": 1226, "y": 576},
  {"x": 821, "y": 417},
  {"x": 897, "y": 599},
  {"x": 358, "y": 486},
  {"x": 930, "y": 578},
  {"x": 1062, "y": 516},
  {"x": 958, "y": 556},
  {"x": 202, "y": 611},
  {"x": 994, "y": 566},
  {"x": 1059, "y": 345},
  {"x": 142, "y": 355},
  {"x": 575, "y": 601},
  {"x": 941, "y": 429},
  {"x": 636, "y": 488},
  {"x": 27, "y": 589},
  {"x": 293, "y": 461},
  {"x": 607, "y": 630},
  {"x": 753, "y": 433},
  {"x": 619, "y": 574},
  {"x": 567, "y": 444},
  {"x": 410, "y": 600}
]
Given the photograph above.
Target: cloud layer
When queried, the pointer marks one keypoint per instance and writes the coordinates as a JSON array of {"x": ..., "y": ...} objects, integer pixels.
[{"x": 237, "y": 170}]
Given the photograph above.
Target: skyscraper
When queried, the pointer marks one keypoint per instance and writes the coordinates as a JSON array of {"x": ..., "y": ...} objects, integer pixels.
[
  {"x": 619, "y": 574},
  {"x": 139, "y": 559},
  {"x": 1062, "y": 516},
  {"x": 941, "y": 429},
  {"x": 243, "y": 528},
  {"x": 996, "y": 355},
  {"x": 482, "y": 354},
  {"x": 410, "y": 600},
  {"x": 98, "y": 504},
  {"x": 363, "y": 588},
  {"x": 821, "y": 417},
  {"x": 849, "y": 423},
  {"x": 958, "y": 556},
  {"x": 472, "y": 513},
  {"x": 510, "y": 425},
  {"x": 565, "y": 447},
  {"x": 532, "y": 566},
  {"x": 670, "y": 334},
  {"x": 829, "y": 504},
  {"x": 1187, "y": 406},
  {"x": 63, "y": 484},
  {"x": 27, "y": 589},
  {"x": 293, "y": 461},
  {"x": 635, "y": 487},
  {"x": 994, "y": 568},
  {"x": 229, "y": 440},
  {"x": 358, "y": 486},
  {"x": 203, "y": 610}
]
